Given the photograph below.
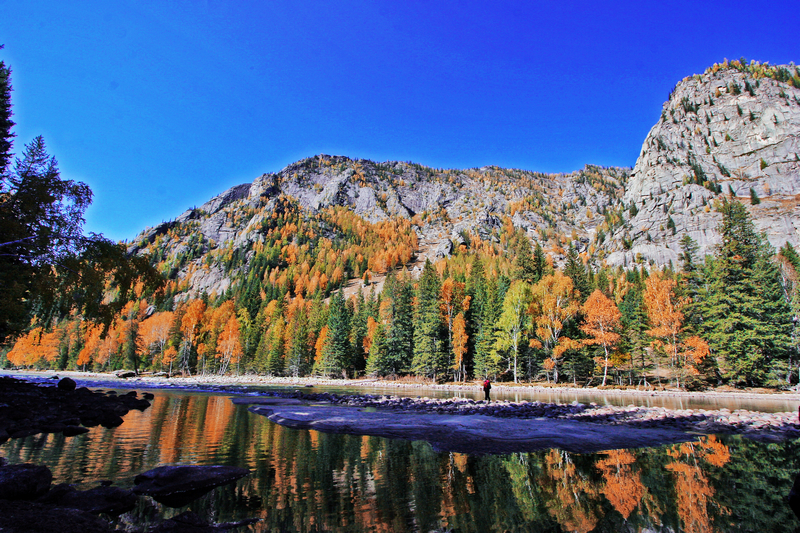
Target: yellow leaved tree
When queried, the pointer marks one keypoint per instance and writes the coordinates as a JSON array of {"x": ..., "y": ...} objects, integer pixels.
[{"x": 601, "y": 321}]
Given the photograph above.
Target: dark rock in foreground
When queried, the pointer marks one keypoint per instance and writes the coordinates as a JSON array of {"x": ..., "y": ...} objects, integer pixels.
[
  {"x": 28, "y": 504},
  {"x": 24, "y": 482},
  {"x": 189, "y": 522},
  {"x": 27, "y": 408},
  {"x": 67, "y": 384},
  {"x": 176, "y": 486},
  {"x": 31, "y": 517}
]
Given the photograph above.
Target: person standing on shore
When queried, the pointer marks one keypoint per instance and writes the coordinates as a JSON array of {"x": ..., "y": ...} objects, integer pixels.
[{"x": 487, "y": 386}]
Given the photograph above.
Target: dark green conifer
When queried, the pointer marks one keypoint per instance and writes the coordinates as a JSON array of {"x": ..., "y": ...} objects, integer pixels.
[
  {"x": 400, "y": 329},
  {"x": 576, "y": 270},
  {"x": 6, "y": 135},
  {"x": 339, "y": 350},
  {"x": 540, "y": 266},
  {"x": 358, "y": 330},
  {"x": 525, "y": 267},
  {"x": 429, "y": 351},
  {"x": 746, "y": 320}
]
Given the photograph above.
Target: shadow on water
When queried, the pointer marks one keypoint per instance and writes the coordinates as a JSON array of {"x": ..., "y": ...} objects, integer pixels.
[{"x": 310, "y": 481}]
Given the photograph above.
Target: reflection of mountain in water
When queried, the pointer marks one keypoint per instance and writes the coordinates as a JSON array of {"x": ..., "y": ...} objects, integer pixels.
[{"x": 304, "y": 480}]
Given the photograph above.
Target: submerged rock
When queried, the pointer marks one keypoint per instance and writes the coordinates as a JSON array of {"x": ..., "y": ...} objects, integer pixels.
[
  {"x": 32, "y": 517},
  {"x": 107, "y": 500},
  {"x": 176, "y": 486},
  {"x": 189, "y": 522}
]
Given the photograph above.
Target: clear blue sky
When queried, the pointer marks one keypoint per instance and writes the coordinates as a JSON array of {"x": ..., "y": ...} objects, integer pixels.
[{"x": 159, "y": 105}]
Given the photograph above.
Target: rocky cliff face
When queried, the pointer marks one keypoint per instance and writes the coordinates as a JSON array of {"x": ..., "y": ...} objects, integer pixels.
[
  {"x": 732, "y": 129},
  {"x": 445, "y": 206}
]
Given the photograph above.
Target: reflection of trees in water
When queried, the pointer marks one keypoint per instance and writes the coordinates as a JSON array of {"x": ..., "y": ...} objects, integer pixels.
[
  {"x": 623, "y": 486},
  {"x": 571, "y": 494},
  {"x": 304, "y": 480},
  {"x": 693, "y": 492}
]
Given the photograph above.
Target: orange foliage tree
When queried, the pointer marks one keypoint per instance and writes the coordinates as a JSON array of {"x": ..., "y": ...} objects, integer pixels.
[
  {"x": 34, "y": 346},
  {"x": 601, "y": 320},
  {"x": 666, "y": 321},
  {"x": 229, "y": 348},
  {"x": 153, "y": 333},
  {"x": 190, "y": 326},
  {"x": 459, "y": 343},
  {"x": 555, "y": 301},
  {"x": 452, "y": 301},
  {"x": 90, "y": 346}
]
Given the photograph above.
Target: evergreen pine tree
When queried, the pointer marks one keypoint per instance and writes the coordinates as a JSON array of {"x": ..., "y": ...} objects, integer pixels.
[
  {"x": 576, "y": 270},
  {"x": 746, "y": 320},
  {"x": 429, "y": 350},
  {"x": 339, "y": 349},
  {"x": 298, "y": 353},
  {"x": 6, "y": 135},
  {"x": 634, "y": 341},
  {"x": 540, "y": 266},
  {"x": 358, "y": 330},
  {"x": 476, "y": 289},
  {"x": 376, "y": 361},
  {"x": 525, "y": 268},
  {"x": 484, "y": 343},
  {"x": 399, "y": 332}
]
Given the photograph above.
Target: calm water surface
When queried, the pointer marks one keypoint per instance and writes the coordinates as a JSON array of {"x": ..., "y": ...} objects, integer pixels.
[{"x": 309, "y": 481}]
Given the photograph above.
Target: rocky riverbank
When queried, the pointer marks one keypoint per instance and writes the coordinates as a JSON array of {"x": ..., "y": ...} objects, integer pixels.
[
  {"x": 752, "y": 424},
  {"x": 770, "y": 427},
  {"x": 230, "y": 381},
  {"x": 27, "y": 409}
]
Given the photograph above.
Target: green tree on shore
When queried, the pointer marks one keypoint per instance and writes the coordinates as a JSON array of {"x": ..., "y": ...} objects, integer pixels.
[{"x": 746, "y": 320}]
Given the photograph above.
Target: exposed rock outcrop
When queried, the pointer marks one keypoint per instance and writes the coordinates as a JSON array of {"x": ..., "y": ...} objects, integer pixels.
[{"x": 733, "y": 129}]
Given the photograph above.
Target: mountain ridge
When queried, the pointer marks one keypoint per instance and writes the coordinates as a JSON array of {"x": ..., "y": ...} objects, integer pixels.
[{"x": 733, "y": 128}]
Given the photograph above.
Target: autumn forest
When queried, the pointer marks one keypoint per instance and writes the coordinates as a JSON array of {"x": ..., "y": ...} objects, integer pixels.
[
  {"x": 493, "y": 309},
  {"x": 327, "y": 292}
]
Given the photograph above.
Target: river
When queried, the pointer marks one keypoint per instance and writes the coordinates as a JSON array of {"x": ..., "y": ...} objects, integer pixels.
[{"x": 309, "y": 481}]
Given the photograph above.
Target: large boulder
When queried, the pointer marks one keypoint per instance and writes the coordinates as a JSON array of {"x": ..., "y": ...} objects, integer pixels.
[
  {"x": 24, "y": 482},
  {"x": 67, "y": 384},
  {"x": 176, "y": 486}
]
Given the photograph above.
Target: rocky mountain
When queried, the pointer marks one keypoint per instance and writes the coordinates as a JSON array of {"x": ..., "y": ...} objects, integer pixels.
[{"x": 731, "y": 130}]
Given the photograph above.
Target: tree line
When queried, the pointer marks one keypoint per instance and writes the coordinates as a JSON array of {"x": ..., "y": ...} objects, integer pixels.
[{"x": 727, "y": 318}]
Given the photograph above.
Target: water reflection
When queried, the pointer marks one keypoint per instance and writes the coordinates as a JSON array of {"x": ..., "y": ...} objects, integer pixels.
[{"x": 309, "y": 481}]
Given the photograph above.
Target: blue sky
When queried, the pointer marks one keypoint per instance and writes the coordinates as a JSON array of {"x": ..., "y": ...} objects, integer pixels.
[{"x": 159, "y": 106}]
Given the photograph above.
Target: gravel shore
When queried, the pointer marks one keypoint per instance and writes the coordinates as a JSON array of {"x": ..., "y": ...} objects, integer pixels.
[
  {"x": 770, "y": 427},
  {"x": 752, "y": 424}
]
